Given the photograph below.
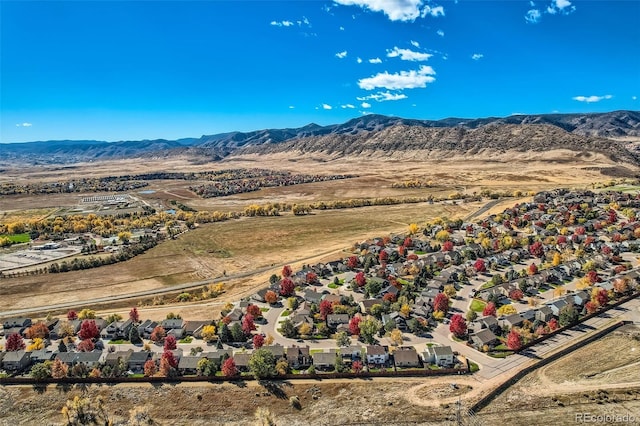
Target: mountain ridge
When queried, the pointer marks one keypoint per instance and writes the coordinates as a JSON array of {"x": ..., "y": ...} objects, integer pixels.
[{"x": 589, "y": 127}]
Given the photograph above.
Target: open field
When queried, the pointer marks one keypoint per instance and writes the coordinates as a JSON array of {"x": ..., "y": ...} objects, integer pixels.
[
  {"x": 237, "y": 246},
  {"x": 599, "y": 378}
]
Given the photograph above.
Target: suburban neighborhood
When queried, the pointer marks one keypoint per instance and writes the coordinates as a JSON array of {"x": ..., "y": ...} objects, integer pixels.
[{"x": 438, "y": 299}]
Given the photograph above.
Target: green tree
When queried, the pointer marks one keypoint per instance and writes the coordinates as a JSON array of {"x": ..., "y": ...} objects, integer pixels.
[
  {"x": 288, "y": 329},
  {"x": 568, "y": 315},
  {"x": 237, "y": 335},
  {"x": 369, "y": 327},
  {"x": 292, "y": 303},
  {"x": 262, "y": 364},
  {"x": 41, "y": 370},
  {"x": 134, "y": 336},
  {"x": 338, "y": 365},
  {"x": 342, "y": 339}
]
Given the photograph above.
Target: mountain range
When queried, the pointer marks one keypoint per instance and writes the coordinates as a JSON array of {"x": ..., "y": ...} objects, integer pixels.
[{"x": 578, "y": 132}]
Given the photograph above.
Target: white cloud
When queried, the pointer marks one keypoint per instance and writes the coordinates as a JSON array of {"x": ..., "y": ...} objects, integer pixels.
[
  {"x": 282, "y": 23},
  {"x": 440, "y": 33},
  {"x": 433, "y": 11},
  {"x": 407, "y": 54},
  {"x": 415, "y": 43},
  {"x": 359, "y": 60},
  {"x": 326, "y": 106},
  {"x": 342, "y": 54},
  {"x": 477, "y": 56},
  {"x": 562, "y": 4},
  {"x": 591, "y": 99},
  {"x": 397, "y": 10},
  {"x": 291, "y": 107},
  {"x": 341, "y": 28},
  {"x": 345, "y": 106},
  {"x": 532, "y": 4},
  {"x": 365, "y": 105},
  {"x": 533, "y": 16},
  {"x": 397, "y": 81},
  {"x": 634, "y": 98},
  {"x": 24, "y": 125},
  {"x": 384, "y": 96},
  {"x": 375, "y": 61}
]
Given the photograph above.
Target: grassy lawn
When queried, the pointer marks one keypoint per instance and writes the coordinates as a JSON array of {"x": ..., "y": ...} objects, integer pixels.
[
  {"x": 315, "y": 351},
  {"x": 500, "y": 354},
  {"x": 477, "y": 305},
  {"x": 18, "y": 238},
  {"x": 473, "y": 367},
  {"x": 486, "y": 285},
  {"x": 119, "y": 342},
  {"x": 332, "y": 285},
  {"x": 286, "y": 313},
  {"x": 136, "y": 375},
  {"x": 264, "y": 309},
  {"x": 187, "y": 339}
]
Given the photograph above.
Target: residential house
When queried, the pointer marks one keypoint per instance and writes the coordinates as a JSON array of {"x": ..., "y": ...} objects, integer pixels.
[
  {"x": 89, "y": 359},
  {"x": 377, "y": 354},
  {"x": 276, "y": 350},
  {"x": 138, "y": 359},
  {"x": 335, "y": 320},
  {"x": 312, "y": 296},
  {"x": 332, "y": 298},
  {"x": 324, "y": 360},
  {"x": 580, "y": 298},
  {"x": 439, "y": 355},
  {"x": 188, "y": 365},
  {"x": 194, "y": 327},
  {"x": 146, "y": 328},
  {"x": 484, "y": 337},
  {"x": 510, "y": 321},
  {"x": 352, "y": 353},
  {"x": 16, "y": 360},
  {"x": 259, "y": 295},
  {"x": 19, "y": 323},
  {"x": 365, "y": 305},
  {"x": 544, "y": 313},
  {"x": 55, "y": 333},
  {"x": 174, "y": 327},
  {"x": 41, "y": 355},
  {"x": 117, "y": 330},
  {"x": 406, "y": 357},
  {"x": 115, "y": 358},
  {"x": 242, "y": 360},
  {"x": 557, "y": 306},
  {"x": 298, "y": 357}
]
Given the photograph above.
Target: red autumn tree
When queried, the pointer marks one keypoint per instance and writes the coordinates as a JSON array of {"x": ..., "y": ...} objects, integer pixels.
[
  {"x": 480, "y": 265},
  {"x": 170, "y": 343},
  {"x": 533, "y": 269},
  {"x": 72, "y": 315},
  {"x": 516, "y": 294},
  {"x": 489, "y": 310},
  {"x": 271, "y": 297},
  {"x": 134, "y": 316},
  {"x": 361, "y": 280},
  {"x": 286, "y": 271},
  {"x": 602, "y": 297},
  {"x": 59, "y": 369},
  {"x": 286, "y": 287},
  {"x": 167, "y": 362},
  {"x": 441, "y": 303},
  {"x": 86, "y": 345},
  {"x": 254, "y": 310},
  {"x": 593, "y": 277},
  {"x": 447, "y": 246},
  {"x": 248, "y": 324},
  {"x": 354, "y": 326},
  {"x": 591, "y": 307},
  {"x": 580, "y": 230},
  {"x": 408, "y": 242},
  {"x": 14, "y": 343},
  {"x": 562, "y": 240},
  {"x": 536, "y": 249},
  {"x": 311, "y": 278},
  {"x": 356, "y": 366},
  {"x": 38, "y": 330},
  {"x": 326, "y": 308},
  {"x": 383, "y": 256},
  {"x": 352, "y": 262},
  {"x": 158, "y": 334},
  {"x": 390, "y": 297},
  {"x": 540, "y": 331},
  {"x": 150, "y": 368},
  {"x": 620, "y": 285},
  {"x": 88, "y": 330},
  {"x": 258, "y": 341},
  {"x": 229, "y": 368},
  {"x": 514, "y": 340},
  {"x": 553, "y": 324},
  {"x": 458, "y": 326}
]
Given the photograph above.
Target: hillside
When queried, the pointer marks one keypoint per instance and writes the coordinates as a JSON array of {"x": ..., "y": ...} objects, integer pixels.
[
  {"x": 577, "y": 132},
  {"x": 488, "y": 140}
]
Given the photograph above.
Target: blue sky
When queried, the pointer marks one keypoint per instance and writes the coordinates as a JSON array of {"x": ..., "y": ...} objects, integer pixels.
[{"x": 144, "y": 70}]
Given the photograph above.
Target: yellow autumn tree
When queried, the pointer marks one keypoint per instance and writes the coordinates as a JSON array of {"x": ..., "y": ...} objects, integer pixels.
[
  {"x": 396, "y": 337},
  {"x": 506, "y": 310},
  {"x": 413, "y": 228},
  {"x": 209, "y": 333}
]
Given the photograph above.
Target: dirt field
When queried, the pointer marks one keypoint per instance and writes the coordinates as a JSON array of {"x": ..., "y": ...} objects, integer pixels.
[{"x": 599, "y": 378}]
